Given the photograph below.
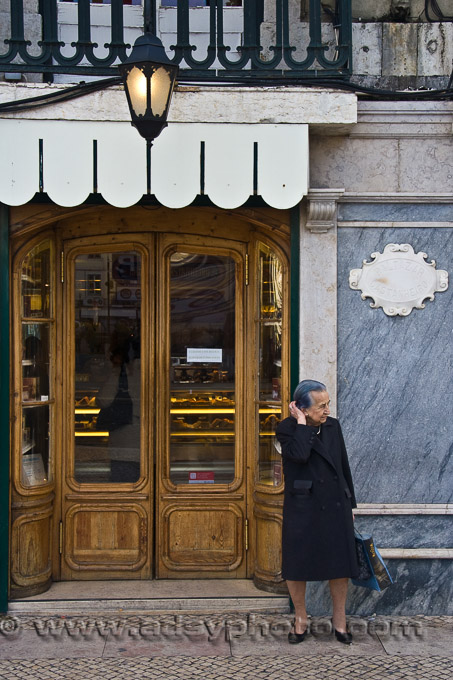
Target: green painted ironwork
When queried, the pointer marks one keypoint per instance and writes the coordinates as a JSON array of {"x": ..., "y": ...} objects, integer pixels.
[
  {"x": 49, "y": 55},
  {"x": 295, "y": 297},
  {"x": 4, "y": 411}
]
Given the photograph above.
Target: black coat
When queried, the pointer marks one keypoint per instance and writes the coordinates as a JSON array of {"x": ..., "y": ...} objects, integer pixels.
[{"x": 318, "y": 533}]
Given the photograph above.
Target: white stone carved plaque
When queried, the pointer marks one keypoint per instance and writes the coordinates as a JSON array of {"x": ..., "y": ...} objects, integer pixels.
[{"x": 398, "y": 280}]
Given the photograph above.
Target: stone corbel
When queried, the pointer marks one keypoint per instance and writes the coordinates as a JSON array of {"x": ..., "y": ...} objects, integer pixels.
[{"x": 322, "y": 209}]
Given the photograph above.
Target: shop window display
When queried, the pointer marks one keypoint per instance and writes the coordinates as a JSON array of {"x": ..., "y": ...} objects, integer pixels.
[{"x": 36, "y": 389}]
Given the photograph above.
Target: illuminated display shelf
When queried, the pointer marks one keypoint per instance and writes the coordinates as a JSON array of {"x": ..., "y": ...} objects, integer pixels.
[
  {"x": 204, "y": 410},
  {"x": 215, "y": 410},
  {"x": 214, "y": 433},
  {"x": 91, "y": 433}
]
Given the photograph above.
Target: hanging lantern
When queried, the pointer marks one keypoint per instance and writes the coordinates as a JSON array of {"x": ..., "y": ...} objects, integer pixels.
[{"x": 149, "y": 78}]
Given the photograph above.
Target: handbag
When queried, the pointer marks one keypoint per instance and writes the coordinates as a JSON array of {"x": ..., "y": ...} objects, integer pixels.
[
  {"x": 373, "y": 573},
  {"x": 119, "y": 412}
]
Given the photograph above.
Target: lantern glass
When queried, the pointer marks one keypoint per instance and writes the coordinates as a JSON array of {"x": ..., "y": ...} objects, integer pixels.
[
  {"x": 136, "y": 85},
  {"x": 161, "y": 86}
]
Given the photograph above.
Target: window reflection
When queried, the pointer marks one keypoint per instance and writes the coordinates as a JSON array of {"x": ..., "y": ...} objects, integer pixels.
[
  {"x": 270, "y": 297},
  {"x": 36, "y": 331},
  {"x": 36, "y": 282},
  {"x": 202, "y": 375},
  {"x": 107, "y": 367}
]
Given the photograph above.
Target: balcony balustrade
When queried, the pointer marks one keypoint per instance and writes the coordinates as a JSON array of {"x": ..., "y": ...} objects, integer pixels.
[{"x": 216, "y": 40}]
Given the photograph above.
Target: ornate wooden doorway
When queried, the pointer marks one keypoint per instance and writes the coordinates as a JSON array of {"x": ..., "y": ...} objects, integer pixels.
[{"x": 150, "y": 360}]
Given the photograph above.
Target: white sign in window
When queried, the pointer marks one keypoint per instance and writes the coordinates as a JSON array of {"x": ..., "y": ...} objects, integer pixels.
[{"x": 204, "y": 355}]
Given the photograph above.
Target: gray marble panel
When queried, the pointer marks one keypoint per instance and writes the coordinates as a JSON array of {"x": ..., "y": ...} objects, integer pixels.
[
  {"x": 395, "y": 374},
  {"x": 396, "y": 212},
  {"x": 420, "y": 586},
  {"x": 408, "y": 531}
]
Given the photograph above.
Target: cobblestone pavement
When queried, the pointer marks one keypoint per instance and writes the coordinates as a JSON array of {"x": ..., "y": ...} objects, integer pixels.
[
  {"x": 233, "y": 646},
  {"x": 319, "y": 667}
]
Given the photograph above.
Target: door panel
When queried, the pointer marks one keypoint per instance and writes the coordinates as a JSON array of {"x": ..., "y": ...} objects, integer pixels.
[
  {"x": 200, "y": 449},
  {"x": 104, "y": 536},
  {"x": 207, "y": 535},
  {"x": 107, "y": 504}
]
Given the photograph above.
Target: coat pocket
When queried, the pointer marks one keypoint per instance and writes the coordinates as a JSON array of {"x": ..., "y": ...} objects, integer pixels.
[
  {"x": 302, "y": 487},
  {"x": 347, "y": 492}
]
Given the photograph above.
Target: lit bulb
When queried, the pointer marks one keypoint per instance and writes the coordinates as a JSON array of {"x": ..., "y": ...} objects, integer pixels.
[{"x": 136, "y": 83}]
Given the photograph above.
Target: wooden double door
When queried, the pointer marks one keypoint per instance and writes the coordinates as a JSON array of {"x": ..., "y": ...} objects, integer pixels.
[
  {"x": 149, "y": 358},
  {"x": 155, "y": 404}
]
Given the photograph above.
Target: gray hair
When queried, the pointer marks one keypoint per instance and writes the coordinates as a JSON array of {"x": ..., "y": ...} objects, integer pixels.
[{"x": 302, "y": 394}]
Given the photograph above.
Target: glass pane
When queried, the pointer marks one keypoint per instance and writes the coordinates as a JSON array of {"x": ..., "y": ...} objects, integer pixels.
[
  {"x": 270, "y": 368},
  {"x": 202, "y": 376},
  {"x": 35, "y": 446},
  {"x": 270, "y": 363},
  {"x": 107, "y": 367},
  {"x": 36, "y": 282},
  {"x": 270, "y": 306},
  {"x": 35, "y": 361},
  {"x": 270, "y": 468}
]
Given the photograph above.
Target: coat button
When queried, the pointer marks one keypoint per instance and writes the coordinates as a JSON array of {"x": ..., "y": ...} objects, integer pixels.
[
  {"x": 335, "y": 478},
  {"x": 338, "y": 504},
  {"x": 323, "y": 507},
  {"x": 321, "y": 481}
]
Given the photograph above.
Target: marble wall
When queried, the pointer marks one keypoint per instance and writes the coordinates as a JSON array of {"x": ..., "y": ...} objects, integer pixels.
[
  {"x": 420, "y": 587},
  {"x": 395, "y": 404},
  {"x": 395, "y": 400}
]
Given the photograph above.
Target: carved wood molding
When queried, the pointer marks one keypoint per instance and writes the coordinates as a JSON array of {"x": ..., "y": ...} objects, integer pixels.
[{"x": 322, "y": 209}]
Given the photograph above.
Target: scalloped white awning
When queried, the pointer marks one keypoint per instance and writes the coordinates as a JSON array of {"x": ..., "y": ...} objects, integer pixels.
[{"x": 67, "y": 170}]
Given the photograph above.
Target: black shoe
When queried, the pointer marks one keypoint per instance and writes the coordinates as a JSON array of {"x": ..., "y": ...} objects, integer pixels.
[
  {"x": 293, "y": 637},
  {"x": 345, "y": 638}
]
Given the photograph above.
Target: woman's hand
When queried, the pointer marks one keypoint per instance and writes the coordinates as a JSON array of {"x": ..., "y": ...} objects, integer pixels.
[{"x": 296, "y": 413}]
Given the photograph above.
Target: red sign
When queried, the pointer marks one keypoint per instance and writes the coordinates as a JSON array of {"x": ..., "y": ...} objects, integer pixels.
[{"x": 201, "y": 477}]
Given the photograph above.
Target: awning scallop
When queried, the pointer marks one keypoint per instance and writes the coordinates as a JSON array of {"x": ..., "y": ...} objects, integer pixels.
[{"x": 69, "y": 160}]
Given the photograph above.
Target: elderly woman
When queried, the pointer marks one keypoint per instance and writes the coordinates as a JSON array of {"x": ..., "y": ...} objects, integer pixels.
[{"x": 318, "y": 533}]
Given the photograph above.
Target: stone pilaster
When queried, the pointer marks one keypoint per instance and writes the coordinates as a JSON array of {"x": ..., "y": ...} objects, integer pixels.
[{"x": 318, "y": 288}]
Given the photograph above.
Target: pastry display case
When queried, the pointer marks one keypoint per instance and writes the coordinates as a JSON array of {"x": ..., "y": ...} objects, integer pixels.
[
  {"x": 202, "y": 434},
  {"x": 92, "y": 461},
  {"x": 202, "y": 374}
]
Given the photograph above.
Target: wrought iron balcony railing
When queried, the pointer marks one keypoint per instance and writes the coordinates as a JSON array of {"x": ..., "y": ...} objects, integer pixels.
[{"x": 270, "y": 39}]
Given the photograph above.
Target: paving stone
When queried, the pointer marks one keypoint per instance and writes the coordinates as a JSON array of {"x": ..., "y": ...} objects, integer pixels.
[
  {"x": 166, "y": 647},
  {"x": 430, "y": 641},
  {"x": 28, "y": 645},
  {"x": 206, "y": 647},
  {"x": 316, "y": 667}
]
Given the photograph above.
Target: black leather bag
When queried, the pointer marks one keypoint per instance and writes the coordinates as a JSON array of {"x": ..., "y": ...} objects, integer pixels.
[{"x": 119, "y": 412}]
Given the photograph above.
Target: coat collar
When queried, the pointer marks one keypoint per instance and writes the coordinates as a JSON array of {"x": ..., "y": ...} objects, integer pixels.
[{"x": 323, "y": 447}]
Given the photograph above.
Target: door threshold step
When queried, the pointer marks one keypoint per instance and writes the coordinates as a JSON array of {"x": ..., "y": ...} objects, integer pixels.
[{"x": 206, "y": 605}]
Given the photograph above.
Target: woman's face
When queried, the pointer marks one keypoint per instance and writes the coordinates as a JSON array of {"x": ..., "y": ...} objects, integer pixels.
[{"x": 317, "y": 413}]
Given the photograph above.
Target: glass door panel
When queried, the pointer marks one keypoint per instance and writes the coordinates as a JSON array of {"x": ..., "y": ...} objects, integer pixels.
[
  {"x": 37, "y": 327},
  {"x": 202, "y": 375},
  {"x": 270, "y": 291},
  {"x": 107, "y": 367}
]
